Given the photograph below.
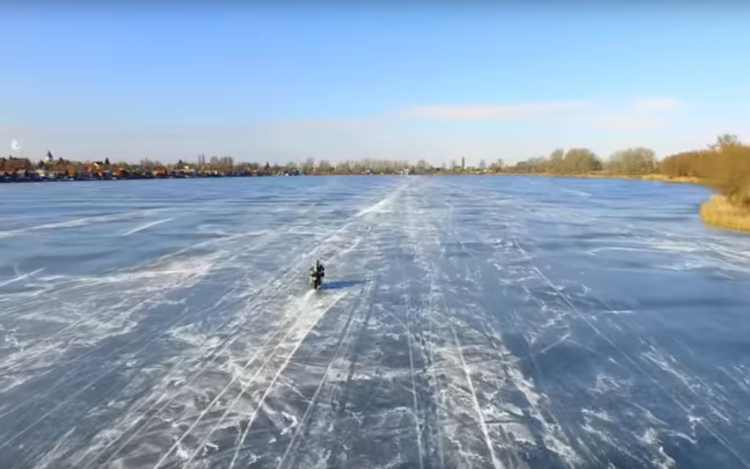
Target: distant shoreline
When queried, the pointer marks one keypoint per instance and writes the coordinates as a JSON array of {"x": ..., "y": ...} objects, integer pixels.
[
  {"x": 646, "y": 177},
  {"x": 717, "y": 211},
  {"x": 642, "y": 177}
]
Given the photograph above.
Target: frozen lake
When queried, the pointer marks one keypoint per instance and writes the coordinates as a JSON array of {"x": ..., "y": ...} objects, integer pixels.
[{"x": 488, "y": 322}]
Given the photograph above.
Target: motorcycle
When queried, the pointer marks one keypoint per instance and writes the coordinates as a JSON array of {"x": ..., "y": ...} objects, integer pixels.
[{"x": 317, "y": 272}]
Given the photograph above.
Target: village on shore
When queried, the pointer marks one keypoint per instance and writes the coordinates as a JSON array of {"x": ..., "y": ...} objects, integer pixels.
[
  {"x": 49, "y": 168},
  {"x": 724, "y": 166}
]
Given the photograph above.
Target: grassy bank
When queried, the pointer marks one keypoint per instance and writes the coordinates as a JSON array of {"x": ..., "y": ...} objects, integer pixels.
[
  {"x": 719, "y": 212},
  {"x": 604, "y": 175},
  {"x": 677, "y": 179},
  {"x": 649, "y": 177}
]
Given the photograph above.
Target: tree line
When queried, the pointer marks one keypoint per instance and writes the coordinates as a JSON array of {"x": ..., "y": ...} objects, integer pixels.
[
  {"x": 724, "y": 165},
  {"x": 581, "y": 161}
]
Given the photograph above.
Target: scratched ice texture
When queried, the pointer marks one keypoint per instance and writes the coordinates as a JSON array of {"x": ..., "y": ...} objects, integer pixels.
[{"x": 486, "y": 322}]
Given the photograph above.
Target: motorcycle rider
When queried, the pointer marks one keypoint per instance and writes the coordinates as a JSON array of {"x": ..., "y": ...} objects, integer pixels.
[{"x": 317, "y": 272}]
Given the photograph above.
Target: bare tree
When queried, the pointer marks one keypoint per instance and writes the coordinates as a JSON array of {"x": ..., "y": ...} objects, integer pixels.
[
  {"x": 637, "y": 160},
  {"x": 555, "y": 163},
  {"x": 324, "y": 166},
  {"x": 498, "y": 165},
  {"x": 309, "y": 165},
  {"x": 226, "y": 163},
  {"x": 726, "y": 141},
  {"x": 423, "y": 167},
  {"x": 580, "y": 161}
]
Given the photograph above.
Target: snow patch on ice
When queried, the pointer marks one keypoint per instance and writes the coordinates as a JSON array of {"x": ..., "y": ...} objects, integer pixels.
[{"x": 660, "y": 458}]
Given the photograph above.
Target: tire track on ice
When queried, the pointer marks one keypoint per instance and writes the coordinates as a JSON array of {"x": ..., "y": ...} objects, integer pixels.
[
  {"x": 686, "y": 378},
  {"x": 360, "y": 413},
  {"x": 146, "y": 226},
  {"x": 564, "y": 444},
  {"x": 420, "y": 421},
  {"x": 312, "y": 404},
  {"x": 20, "y": 277},
  {"x": 370, "y": 285},
  {"x": 258, "y": 352},
  {"x": 477, "y": 329},
  {"x": 70, "y": 397},
  {"x": 65, "y": 378},
  {"x": 417, "y": 423},
  {"x": 634, "y": 362},
  {"x": 423, "y": 235},
  {"x": 333, "y": 430},
  {"x": 314, "y": 251},
  {"x": 477, "y": 408},
  {"x": 142, "y": 304},
  {"x": 635, "y": 365},
  {"x": 84, "y": 221},
  {"x": 475, "y": 401},
  {"x": 283, "y": 281},
  {"x": 560, "y": 293},
  {"x": 450, "y": 329},
  {"x": 224, "y": 346},
  {"x": 364, "y": 298},
  {"x": 247, "y": 386},
  {"x": 357, "y": 343},
  {"x": 275, "y": 378},
  {"x": 270, "y": 236}
]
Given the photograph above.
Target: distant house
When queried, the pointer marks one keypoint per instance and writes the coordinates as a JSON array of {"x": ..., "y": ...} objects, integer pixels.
[{"x": 12, "y": 164}]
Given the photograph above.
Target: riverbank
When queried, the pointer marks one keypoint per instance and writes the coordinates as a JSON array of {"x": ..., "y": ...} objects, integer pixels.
[
  {"x": 648, "y": 177},
  {"x": 35, "y": 178},
  {"x": 643, "y": 177},
  {"x": 721, "y": 213},
  {"x": 678, "y": 180},
  {"x": 717, "y": 211}
]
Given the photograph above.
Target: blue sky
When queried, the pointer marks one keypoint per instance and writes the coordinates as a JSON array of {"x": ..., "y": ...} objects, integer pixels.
[{"x": 436, "y": 81}]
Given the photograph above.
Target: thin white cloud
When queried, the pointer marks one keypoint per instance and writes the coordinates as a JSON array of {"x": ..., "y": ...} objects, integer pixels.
[
  {"x": 627, "y": 120},
  {"x": 325, "y": 124},
  {"x": 493, "y": 112},
  {"x": 656, "y": 103},
  {"x": 388, "y": 134}
]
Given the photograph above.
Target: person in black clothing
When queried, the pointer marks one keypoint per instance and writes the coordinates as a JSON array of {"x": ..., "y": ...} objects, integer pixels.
[{"x": 317, "y": 272}]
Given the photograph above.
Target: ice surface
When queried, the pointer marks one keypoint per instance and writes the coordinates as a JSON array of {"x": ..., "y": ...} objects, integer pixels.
[{"x": 488, "y": 322}]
